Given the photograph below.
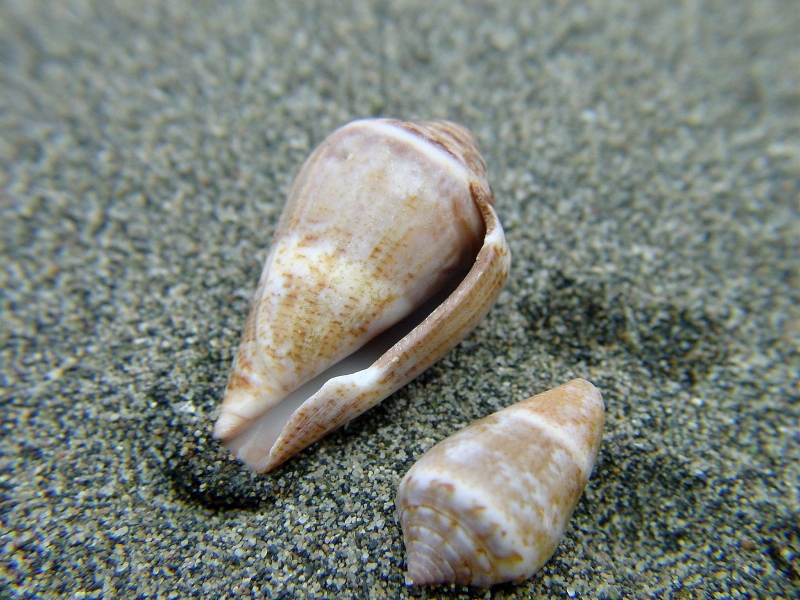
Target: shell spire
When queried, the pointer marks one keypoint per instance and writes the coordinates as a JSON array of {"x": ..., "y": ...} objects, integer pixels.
[
  {"x": 490, "y": 503},
  {"x": 383, "y": 215}
]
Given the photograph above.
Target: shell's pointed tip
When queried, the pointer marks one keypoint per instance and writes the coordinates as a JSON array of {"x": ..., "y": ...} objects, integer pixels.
[{"x": 228, "y": 425}]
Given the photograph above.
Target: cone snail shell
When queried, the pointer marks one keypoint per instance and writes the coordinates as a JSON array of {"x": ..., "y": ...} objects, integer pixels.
[
  {"x": 490, "y": 503},
  {"x": 383, "y": 215}
]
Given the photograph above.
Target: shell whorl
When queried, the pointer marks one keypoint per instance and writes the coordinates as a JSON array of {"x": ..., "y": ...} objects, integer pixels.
[
  {"x": 454, "y": 140},
  {"x": 491, "y": 503}
]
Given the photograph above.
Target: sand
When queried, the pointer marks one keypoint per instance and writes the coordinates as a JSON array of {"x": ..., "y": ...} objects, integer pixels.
[{"x": 646, "y": 167}]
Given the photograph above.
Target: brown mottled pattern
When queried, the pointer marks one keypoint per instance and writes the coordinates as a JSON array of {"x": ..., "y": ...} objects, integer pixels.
[
  {"x": 528, "y": 474},
  {"x": 242, "y": 377},
  {"x": 424, "y": 345}
]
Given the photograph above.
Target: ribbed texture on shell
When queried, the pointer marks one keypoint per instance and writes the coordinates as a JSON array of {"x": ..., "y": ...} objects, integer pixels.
[
  {"x": 440, "y": 550},
  {"x": 490, "y": 503}
]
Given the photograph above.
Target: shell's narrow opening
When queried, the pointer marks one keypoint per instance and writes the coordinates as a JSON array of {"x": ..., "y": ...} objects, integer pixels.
[{"x": 253, "y": 445}]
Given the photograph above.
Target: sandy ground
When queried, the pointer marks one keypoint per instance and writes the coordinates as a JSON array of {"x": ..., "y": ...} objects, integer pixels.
[{"x": 645, "y": 161}]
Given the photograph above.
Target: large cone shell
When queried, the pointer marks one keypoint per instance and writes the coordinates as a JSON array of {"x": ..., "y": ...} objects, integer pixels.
[
  {"x": 380, "y": 217},
  {"x": 490, "y": 503}
]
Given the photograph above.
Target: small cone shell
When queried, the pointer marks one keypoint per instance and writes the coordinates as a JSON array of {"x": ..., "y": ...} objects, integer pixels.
[
  {"x": 382, "y": 215},
  {"x": 490, "y": 503}
]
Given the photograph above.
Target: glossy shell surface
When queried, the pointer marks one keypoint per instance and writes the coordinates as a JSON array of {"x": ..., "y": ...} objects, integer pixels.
[{"x": 382, "y": 216}]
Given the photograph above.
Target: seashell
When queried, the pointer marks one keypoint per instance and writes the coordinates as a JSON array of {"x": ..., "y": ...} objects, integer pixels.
[
  {"x": 490, "y": 503},
  {"x": 382, "y": 216}
]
